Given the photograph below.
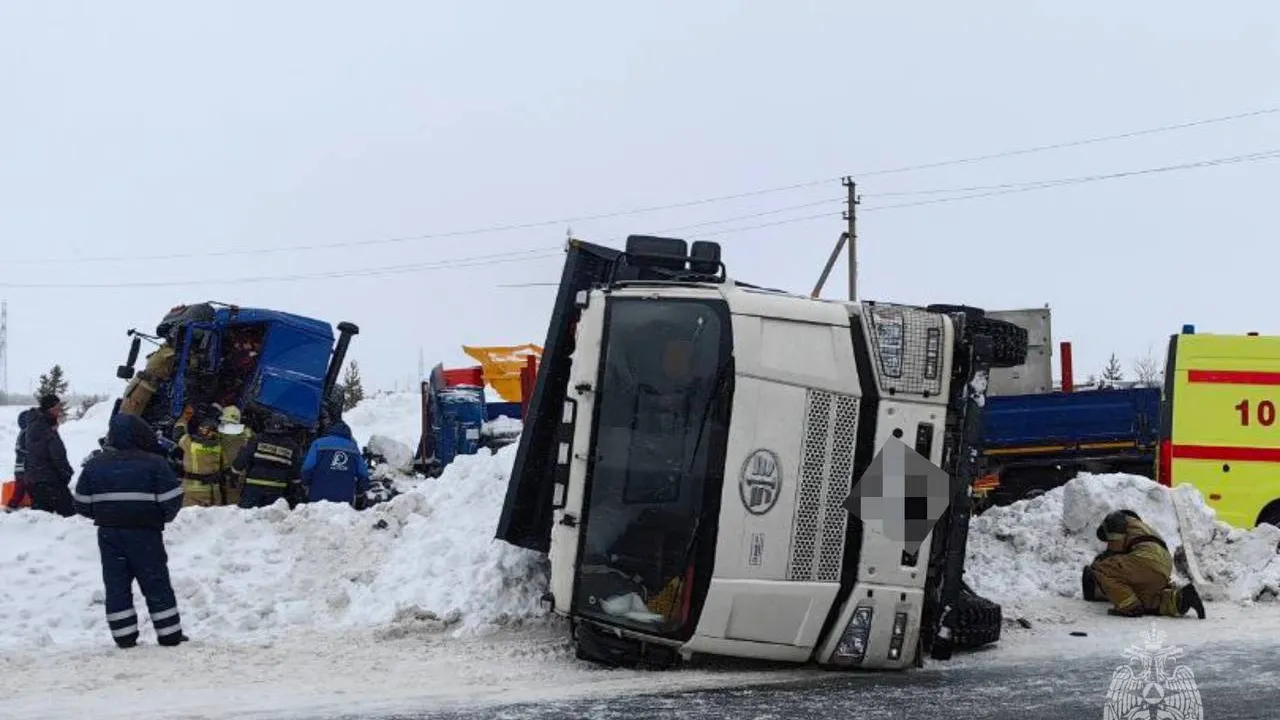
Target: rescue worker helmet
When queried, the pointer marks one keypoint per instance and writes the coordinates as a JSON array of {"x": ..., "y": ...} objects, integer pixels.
[{"x": 231, "y": 423}]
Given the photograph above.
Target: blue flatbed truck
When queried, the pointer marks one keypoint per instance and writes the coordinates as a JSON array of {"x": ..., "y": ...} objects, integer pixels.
[{"x": 1034, "y": 443}]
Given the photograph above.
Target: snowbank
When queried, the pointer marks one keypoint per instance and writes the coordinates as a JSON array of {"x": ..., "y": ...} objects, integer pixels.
[
  {"x": 1036, "y": 548},
  {"x": 394, "y": 415},
  {"x": 426, "y": 560}
]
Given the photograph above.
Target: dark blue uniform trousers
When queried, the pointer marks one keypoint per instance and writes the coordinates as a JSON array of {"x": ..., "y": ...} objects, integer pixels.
[
  {"x": 130, "y": 554},
  {"x": 256, "y": 496}
]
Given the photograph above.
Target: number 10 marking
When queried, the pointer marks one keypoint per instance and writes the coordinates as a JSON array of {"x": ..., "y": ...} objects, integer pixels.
[{"x": 1266, "y": 412}]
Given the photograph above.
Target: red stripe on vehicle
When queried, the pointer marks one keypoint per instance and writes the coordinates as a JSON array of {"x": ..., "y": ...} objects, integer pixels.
[
  {"x": 1226, "y": 452},
  {"x": 1233, "y": 377}
]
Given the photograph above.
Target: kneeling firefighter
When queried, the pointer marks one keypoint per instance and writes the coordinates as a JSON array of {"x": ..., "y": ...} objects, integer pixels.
[
  {"x": 269, "y": 464},
  {"x": 1135, "y": 572},
  {"x": 130, "y": 492}
]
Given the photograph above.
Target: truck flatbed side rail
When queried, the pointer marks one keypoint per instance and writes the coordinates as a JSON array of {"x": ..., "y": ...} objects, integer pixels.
[{"x": 527, "y": 510}]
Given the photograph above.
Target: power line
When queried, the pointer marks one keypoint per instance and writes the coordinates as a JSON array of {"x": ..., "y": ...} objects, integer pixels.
[
  {"x": 1010, "y": 188},
  {"x": 1260, "y": 155},
  {"x": 1076, "y": 143},
  {"x": 1045, "y": 184},
  {"x": 653, "y": 208},
  {"x": 541, "y": 252},
  {"x": 480, "y": 260}
]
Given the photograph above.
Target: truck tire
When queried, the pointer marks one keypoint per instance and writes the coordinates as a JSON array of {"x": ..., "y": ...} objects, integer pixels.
[
  {"x": 1270, "y": 515},
  {"x": 978, "y": 620},
  {"x": 1009, "y": 341}
]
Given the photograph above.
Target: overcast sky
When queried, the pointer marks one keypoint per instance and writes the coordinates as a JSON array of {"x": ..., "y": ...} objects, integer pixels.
[{"x": 138, "y": 129}]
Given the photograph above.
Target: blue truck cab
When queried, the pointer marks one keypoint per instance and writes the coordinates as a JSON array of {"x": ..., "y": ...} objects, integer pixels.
[{"x": 263, "y": 361}]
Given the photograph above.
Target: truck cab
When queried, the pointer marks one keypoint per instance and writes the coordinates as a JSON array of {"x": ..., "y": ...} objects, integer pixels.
[
  {"x": 262, "y": 361},
  {"x": 690, "y": 447}
]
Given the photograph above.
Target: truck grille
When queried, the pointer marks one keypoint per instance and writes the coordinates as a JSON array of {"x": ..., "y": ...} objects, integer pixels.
[
  {"x": 826, "y": 475},
  {"x": 907, "y": 345}
]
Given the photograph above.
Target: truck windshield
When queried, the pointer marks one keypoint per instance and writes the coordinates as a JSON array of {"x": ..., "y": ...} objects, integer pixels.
[{"x": 661, "y": 422}]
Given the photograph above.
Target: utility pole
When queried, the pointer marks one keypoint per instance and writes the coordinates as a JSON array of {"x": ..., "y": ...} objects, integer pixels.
[
  {"x": 849, "y": 236},
  {"x": 851, "y": 216}
]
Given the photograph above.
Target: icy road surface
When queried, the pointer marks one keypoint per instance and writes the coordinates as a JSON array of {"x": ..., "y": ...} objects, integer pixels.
[
  {"x": 1232, "y": 681},
  {"x": 419, "y": 672}
]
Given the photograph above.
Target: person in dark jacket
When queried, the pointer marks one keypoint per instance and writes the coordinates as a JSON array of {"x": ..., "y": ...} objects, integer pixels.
[
  {"x": 48, "y": 472},
  {"x": 131, "y": 492},
  {"x": 268, "y": 464},
  {"x": 334, "y": 470},
  {"x": 20, "y": 463}
]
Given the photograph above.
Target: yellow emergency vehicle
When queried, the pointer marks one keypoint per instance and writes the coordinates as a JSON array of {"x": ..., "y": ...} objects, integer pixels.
[{"x": 1220, "y": 423}]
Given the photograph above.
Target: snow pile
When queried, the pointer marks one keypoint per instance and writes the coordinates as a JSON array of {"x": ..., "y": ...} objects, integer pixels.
[
  {"x": 1037, "y": 548},
  {"x": 503, "y": 427},
  {"x": 397, "y": 416},
  {"x": 398, "y": 456},
  {"x": 425, "y": 561}
]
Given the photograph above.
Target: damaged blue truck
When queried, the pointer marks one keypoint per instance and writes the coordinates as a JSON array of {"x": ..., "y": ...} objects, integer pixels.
[{"x": 263, "y": 361}]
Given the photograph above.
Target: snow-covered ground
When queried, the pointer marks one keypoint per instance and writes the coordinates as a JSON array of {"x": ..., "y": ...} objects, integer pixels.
[{"x": 413, "y": 604}]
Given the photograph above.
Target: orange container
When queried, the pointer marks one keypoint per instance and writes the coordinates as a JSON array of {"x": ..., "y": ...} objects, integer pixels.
[
  {"x": 6, "y": 492},
  {"x": 464, "y": 376}
]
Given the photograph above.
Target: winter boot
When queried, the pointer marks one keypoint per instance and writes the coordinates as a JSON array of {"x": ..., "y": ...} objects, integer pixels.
[
  {"x": 126, "y": 642},
  {"x": 173, "y": 640},
  {"x": 1135, "y": 611},
  {"x": 1189, "y": 599}
]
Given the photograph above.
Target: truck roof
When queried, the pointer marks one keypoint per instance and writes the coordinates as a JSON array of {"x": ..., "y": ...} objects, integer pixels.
[{"x": 249, "y": 316}]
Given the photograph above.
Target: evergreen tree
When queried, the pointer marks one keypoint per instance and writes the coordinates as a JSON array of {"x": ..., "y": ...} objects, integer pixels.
[
  {"x": 1114, "y": 373},
  {"x": 352, "y": 388},
  {"x": 54, "y": 383}
]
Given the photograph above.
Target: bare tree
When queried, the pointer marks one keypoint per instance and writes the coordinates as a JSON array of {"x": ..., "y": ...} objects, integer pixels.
[{"x": 1147, "y": 370}]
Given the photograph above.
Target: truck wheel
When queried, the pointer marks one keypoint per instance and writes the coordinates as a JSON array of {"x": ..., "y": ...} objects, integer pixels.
[
  {"x": 978, "y": 620},
  {"x": 1270, "y": 515},
  {"x": 1009, "y": 341}
]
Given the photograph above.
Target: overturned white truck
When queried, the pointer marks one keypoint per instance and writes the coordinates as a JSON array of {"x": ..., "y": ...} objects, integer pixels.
[{"x": 692, "y": 441}]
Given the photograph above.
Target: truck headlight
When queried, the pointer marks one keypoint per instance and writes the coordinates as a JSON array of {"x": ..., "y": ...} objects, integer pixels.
[
  {"x": 853, "y": 643},
  {"x": 899, "y": 635}
]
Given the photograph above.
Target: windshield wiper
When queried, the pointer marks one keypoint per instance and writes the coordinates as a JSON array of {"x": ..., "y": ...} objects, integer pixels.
[{"x": 723, "y": 374}]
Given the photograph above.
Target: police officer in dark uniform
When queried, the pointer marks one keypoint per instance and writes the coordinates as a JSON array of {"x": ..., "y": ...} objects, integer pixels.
[
  {"x": 270, "y": 464},
  {"x": 130, "y": 492}
]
